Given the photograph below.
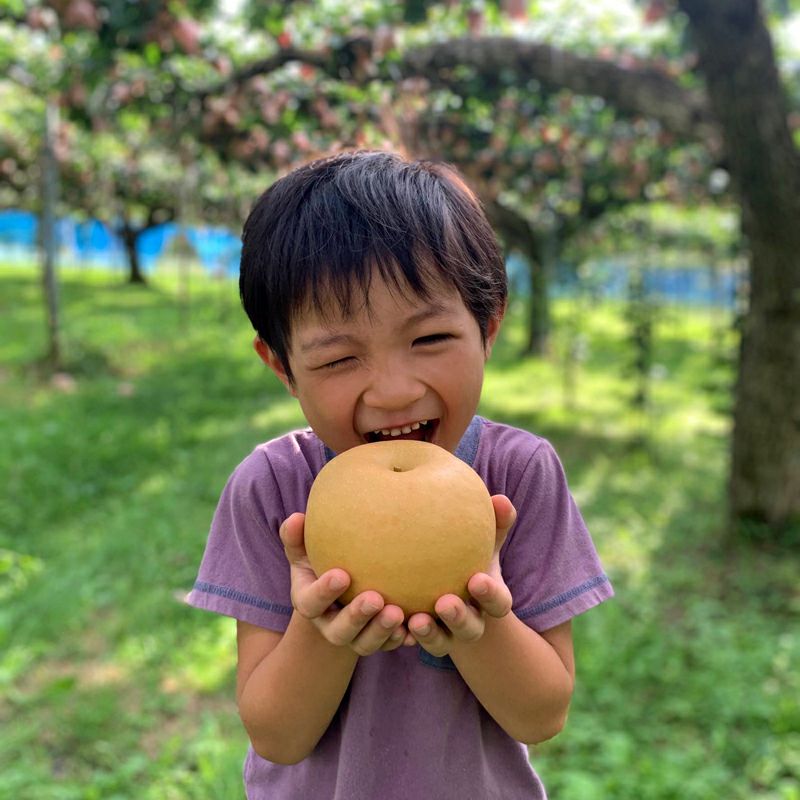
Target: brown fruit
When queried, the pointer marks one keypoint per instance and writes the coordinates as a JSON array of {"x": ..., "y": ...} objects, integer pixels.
[{"x": 407, "y": 519}]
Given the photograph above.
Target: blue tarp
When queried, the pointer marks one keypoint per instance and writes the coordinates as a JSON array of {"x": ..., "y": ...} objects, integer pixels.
[
  {"x": 218, "y": 250},
  {"x": 690, "y": 284},
  {"x": 93, "y": 242},
  {"x": 18, "y": 228}
]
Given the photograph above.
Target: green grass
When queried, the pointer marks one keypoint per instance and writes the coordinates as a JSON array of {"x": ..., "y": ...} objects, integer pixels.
[{"x": 110, "y": 687}]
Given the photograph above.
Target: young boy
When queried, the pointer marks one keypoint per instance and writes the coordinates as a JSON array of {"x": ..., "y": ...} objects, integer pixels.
[{"x": 377, "y": 288}]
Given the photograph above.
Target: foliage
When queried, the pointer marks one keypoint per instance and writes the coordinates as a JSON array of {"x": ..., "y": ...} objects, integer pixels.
[
  {"x": 183, "y": 80},
  {"x": 110, "y": 687},
  {"x": 162, "y": 75},
  {"x": 190, "y": 83},
  {"x": 126, "y": 153},
  {"x": 169, "y": 108},
  {"x": 706, "y": 232}
]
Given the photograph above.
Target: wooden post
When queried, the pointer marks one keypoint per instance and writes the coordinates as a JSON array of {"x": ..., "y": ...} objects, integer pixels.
[{"x": 48, "y": 235}]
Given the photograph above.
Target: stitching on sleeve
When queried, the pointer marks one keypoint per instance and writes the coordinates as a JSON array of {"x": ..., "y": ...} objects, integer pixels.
[
  {"x": 564, "y": 597},
  {"x": 242, "y": 597}
]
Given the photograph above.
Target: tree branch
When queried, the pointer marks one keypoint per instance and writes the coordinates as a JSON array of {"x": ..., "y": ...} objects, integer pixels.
[
  {"x": 516, "y": 231},
  {"x": 265, "y": 66},
  {"x": 642, "y": 91}
]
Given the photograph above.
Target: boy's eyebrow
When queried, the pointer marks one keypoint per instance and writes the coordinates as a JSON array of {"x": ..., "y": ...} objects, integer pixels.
[
  {"x": 429, "y": 312},
  {"x": 326, "y": 340}
]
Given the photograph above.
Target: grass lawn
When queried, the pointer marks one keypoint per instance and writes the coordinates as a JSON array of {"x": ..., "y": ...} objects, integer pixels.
[{"x": 110, "y": 687}]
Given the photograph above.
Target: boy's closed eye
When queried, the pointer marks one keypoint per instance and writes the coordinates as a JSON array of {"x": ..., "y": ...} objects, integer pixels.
[
  {"x": 434, "y": 338},
  {"x": 339, "y": 363}
]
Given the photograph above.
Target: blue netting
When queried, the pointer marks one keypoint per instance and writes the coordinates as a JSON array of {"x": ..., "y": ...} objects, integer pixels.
[{"x": 95, "y": 243}]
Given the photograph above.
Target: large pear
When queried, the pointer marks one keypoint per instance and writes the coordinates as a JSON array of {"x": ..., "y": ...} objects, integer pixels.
[{"x": 407, "y": 519}]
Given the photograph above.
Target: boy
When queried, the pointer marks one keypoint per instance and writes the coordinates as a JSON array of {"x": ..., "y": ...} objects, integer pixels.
[{"x": 377, "y": 288}]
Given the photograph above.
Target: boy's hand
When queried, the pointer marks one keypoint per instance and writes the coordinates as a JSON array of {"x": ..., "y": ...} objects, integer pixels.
[
  {"x": 365, "y": 625},
  {"x": 465, "y": 622}
]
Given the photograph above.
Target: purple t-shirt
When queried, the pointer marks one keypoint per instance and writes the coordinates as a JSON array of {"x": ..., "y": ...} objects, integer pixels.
[{"x": 408, "y": 726}]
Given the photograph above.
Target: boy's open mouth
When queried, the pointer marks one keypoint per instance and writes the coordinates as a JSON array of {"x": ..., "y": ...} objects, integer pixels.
[{"x": 421, "y": 431}]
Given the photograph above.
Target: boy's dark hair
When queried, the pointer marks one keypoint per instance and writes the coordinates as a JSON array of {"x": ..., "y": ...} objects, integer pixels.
[{"x": 317, "y": 234}]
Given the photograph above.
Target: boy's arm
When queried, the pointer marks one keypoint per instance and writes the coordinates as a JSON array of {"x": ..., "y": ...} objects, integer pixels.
[
  {"x": 290, "y": 685},
  {"x": 522, "y": 678}
]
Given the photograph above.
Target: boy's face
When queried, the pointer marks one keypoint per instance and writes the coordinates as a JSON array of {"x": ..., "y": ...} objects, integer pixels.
[{"x": 404, "y": 361}]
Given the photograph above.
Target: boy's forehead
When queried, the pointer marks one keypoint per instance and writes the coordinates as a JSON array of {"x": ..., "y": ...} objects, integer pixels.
[
  {"x": 379, "y": 302},
  {"x": 342, "y": 303}
]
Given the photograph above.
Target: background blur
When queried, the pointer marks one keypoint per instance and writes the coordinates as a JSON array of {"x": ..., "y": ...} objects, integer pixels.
[{"x": 639, "y": 161}]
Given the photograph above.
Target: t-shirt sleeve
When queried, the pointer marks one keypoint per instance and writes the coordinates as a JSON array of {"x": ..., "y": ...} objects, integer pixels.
[
  {"x": 549, "y": 561},
  {"x": 244, "y": 572}
]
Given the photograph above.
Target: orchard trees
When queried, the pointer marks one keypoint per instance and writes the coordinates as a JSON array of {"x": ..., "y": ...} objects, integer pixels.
[
  {"x": 746, "y": 118},
  {"x": 554, "y": 128},
  {"x": 732, "y": 100},
  {"x": 545, "y": 159},
  {"x": 127, "y": 153}
]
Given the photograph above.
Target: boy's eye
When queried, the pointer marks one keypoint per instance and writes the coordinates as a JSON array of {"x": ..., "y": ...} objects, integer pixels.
[
  {"x": 434, "y": 338},
  {"x": 340, "y": 362}
]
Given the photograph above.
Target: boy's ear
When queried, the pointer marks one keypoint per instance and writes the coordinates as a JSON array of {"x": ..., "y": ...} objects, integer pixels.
[
  {"x": 267, "y": 355},
  {"x": 492, "y": 329}
]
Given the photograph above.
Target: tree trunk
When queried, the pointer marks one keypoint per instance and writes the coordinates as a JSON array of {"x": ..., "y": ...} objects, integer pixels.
[
  {"x": 744, "y": 88},
  {"x": 518, "y": 234},
  {"x": 538, "y": 340},
  {"x": 48, "y": 235},
  {"x": 129, "y": 236}
]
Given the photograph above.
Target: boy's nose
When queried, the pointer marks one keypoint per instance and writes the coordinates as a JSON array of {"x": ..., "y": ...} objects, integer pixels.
[{"x": 393, "y": 389}]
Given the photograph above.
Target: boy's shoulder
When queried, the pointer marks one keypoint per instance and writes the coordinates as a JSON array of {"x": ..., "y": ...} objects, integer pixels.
[
  {"x": 301, "y": 445},
  {"x": 500, "y": 440},
  {"x": 300, "y": 453},
  {"x": 505, "y": 454}
]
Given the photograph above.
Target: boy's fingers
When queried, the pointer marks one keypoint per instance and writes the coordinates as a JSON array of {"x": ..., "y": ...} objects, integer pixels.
[
  {"x": 494, "y": 597},
  {"x": 464, "y": 622},
  {"x": 395, "y": 640},
  {"x": 383, "y": 632},
  {"x": 291, "y": 533},
  {"x": 314, "y": 597},
  {"x": 427, "y": 633},
  {"x": 505, "y": 516},
  {"x": 353, "y": 618}
]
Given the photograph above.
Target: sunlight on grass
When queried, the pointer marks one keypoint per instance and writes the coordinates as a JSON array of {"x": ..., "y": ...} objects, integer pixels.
[
  {"x": 16, "y": 660},
  {"x": 16, "y": 571},
  {"x": 207, "y": 661}
]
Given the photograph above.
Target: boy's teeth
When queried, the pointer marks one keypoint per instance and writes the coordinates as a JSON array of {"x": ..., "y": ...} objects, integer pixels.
[{"x": 414, "y": 426}]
